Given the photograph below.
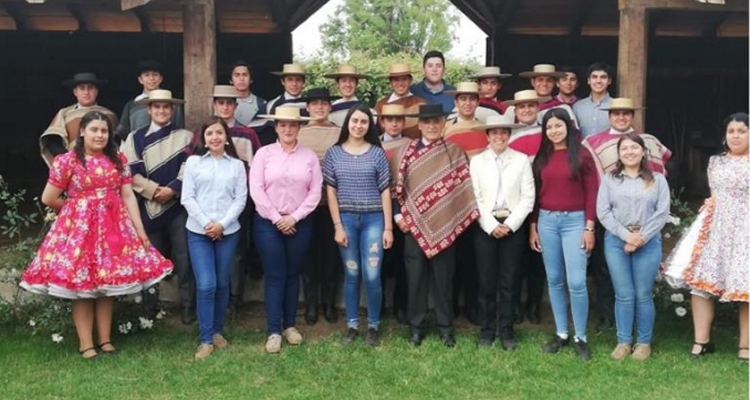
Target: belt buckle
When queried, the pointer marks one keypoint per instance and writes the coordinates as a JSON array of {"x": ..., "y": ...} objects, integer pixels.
[
  {"x": 634, "y": 228},
  {"x": 501, "y": 214}
]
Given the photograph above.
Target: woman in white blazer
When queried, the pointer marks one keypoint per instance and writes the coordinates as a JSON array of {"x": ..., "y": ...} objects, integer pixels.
[{"x": 504, "y": 188}]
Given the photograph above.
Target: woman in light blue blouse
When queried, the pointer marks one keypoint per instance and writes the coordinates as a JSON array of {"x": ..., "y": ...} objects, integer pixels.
[
  {"x": 214, "y": 192},
  {"x": 357, "y": 178},
  {"x": 633, "y": 205}
]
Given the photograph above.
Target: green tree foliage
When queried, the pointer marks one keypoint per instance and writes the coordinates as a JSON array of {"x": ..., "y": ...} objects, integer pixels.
[{"x": 385, "y": 27}]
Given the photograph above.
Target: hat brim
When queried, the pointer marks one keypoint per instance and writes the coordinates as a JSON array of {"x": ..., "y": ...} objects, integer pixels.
[
  {"x": 537, "y": 100},
  {"x": 624, "y": 109},
  {"x": 282, "y": 73},
  {"x": 73, "y": 83},
  {"x": 426, "y": 116},
  {"x": 500, "y": 126},
  {"x": 457, "y": 92},
  {"x": 532, "y": 74},
  {"x": 280, "y": 118},
  {"x": 309, "y": 99},
  {"x": 213, "y": 96},
  {"x": 499, "y": 76},
  {"x": 148, "y": 101},
  {"x": 397, "y": 74},
  {"x": 337, "y": 75}
]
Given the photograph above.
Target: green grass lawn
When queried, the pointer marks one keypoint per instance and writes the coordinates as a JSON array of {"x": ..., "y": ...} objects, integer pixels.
[{"x": 159, "y": 365}]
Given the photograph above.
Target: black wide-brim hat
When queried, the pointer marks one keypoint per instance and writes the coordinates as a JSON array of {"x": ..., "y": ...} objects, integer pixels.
[
  {"x": 430, "y": 111},
  {"x": 318, "y": 94},
  {"x": 84, "y": 77},
  {"x": 150, "y": 65}
]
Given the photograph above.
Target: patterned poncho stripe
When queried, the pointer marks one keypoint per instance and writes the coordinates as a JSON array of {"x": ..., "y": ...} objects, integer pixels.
[{"x": 433, "y": 188}]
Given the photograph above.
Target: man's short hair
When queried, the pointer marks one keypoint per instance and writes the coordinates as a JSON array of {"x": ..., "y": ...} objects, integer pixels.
[
  {"x": 433, "y": 54},
  {"x": 568, "y": 69},
  {"x": 600, "y": 66},
  {"x": 239, "y": 63}
]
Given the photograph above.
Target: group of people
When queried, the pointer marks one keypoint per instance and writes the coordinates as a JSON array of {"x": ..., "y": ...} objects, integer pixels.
[{"x": 438, "y": 185}]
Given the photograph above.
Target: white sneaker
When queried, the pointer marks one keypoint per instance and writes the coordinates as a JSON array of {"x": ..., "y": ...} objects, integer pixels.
[
  {"x": 273, "y": 344},
  {"x": 292, "y": 336}
]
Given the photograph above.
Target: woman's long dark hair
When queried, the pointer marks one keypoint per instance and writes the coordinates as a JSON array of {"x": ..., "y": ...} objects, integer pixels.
[
  {"x": 200, "y": 141},
  {"x": 736, "y": 117},
  {"x": 572, "y": 140},
  {"x": 372, "y": 133},
  {"x": 110, "y": 150},
  {"x": 644, "y": 170}
]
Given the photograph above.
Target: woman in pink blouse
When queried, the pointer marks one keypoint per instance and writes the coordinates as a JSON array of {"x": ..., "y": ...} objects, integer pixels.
[{"x": 285, "y": 184}]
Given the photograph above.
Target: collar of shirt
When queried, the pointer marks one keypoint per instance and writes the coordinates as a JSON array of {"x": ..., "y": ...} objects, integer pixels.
[
  {"x": 602, "y": 101},
  {"x": 153, "y": 127},
  {"x": 388, "y": 138},
  {"x": 614, "y": 131},
  {"x": 459, "y": 119},
  {"x": 141, "y": 96},
  {"x": 280, "y": 149},
  {"x": 343, "y": 100},
  {"x": 394, "y": 97},
  {"x": 559, "y": 97},
  {"x": 79, "y": 106},
  {"x": 288, "y": 96},
  {"x": 502, "y": 157},
  {"x": 434, "y": 89},
  {"x": 249, "y": 99},
  {"x": 231, "y": 123},
  {"x": 224, "y": 155}
]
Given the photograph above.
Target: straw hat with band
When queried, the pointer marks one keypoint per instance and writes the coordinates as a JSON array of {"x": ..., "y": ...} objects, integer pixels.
[
  {"x": 84, "y": 77},
  {"x": 506, "y": 121},
  {"x": 394, "y": 110},
  {"x": 346, "y": 70},
  {"x": 542, "y": 70},
  {"x": 290, "y": 69},
  {"x": 398, "y": 69},
  {"x": 526, "y": 96},
  {"x": 464, "y": 88},
  {"x": 285, "y": 113},
  {"x": 622, "y": 104},
  {"x": 160, "y": 96},
  {"x": 225, "y": 92},
  {"x": 489, "y": 72}
]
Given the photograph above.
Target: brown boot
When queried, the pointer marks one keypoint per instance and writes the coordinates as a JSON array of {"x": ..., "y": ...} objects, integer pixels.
[
  {"x": 641, "y": 352},
  {"x": 621, "y": 351}
]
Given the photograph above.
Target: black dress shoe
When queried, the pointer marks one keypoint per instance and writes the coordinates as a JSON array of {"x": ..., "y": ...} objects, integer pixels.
[
  {"x": 508, "y": 344},
  {"x": 330, "y": 313},
  {"x": 485, "y": 342},
  {"x": 449, "y": 340},
  {"x": 187, "y": 316},
  {"x": 554, "y": 344},
  {"x": 581, "y": 348},
  {"x": 416, "y": 339},
  {"x": 311, "y": 315},
  {"x": 533, "y": 313},
  {"x": 349, "y": 337},
  {"x": 401, "y": 317},
  {"x": 706, "y": 348}
]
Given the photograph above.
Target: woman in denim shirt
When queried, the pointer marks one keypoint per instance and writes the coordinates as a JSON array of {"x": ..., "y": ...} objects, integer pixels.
[{"x": 633, "y": 205}]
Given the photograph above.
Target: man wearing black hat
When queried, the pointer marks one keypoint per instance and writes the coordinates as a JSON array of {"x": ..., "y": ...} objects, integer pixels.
[
  {"x": 135, "y": 115},
  {"x": 62, "y": 132},
  {"x": 321, "y": 275},
  {"x": 431, "y": 223}
]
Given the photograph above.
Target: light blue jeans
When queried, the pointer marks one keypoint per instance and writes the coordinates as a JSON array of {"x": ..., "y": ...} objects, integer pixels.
[
  {"x": 560, "y": 234},
  {"x": 363, "y": 256},
  {"x": 633, "y": 276}
]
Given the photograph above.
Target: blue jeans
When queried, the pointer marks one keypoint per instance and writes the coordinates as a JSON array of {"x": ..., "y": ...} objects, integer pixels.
[
  {"x": 282, "y": 257},
  {"x": 560, "y": 234},
  {"x": 212, "y": 267},
  {"x": 633, "y": 276},
  {"x": 363, "y": 255}
]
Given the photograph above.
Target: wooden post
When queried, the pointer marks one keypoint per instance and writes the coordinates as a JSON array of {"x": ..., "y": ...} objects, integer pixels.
[
  {"x": 199, "y": 49},
  {"x": 632, "y": 60}
]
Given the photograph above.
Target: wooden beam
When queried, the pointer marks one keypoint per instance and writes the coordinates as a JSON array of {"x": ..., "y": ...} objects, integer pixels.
[
  {"x": 686, "y": 5},
  {"x": 712, "y": 28},
  {"x": 655, "y": 18},
  {"x": 506, "y": 15},
  {"x": 199, "y": 58},
  {"x": 478, "y": 12},
  {"x": 304, "y": 11},
  {"x": 632, "y": 59},
  {"x": 143, "y": 19},
  {"x": 12, "y": 10},
  {"x": 582, "y": 15},
  {"x": 126, "y": 5},
  {"x": 75, "y": 11},
  {"x": 279, "y": 14}
]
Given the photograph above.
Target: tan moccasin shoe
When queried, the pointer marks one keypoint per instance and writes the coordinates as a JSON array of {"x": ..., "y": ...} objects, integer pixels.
[
  {"x": 204, "y": 350},
  {"x": 641, "y": 352},
  {"x": 292, "y": 336},
  {"x": 621, "y": 351},
  {"x": 273, "y": 344},
  {"x": 219, "y": 341}
]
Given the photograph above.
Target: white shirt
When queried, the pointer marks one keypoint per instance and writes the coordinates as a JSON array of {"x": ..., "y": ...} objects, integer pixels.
[{"x": 394, "y": 97}]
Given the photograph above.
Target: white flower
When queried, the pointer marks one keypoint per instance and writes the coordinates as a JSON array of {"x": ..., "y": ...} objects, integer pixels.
[
  {"x": 56, "y": 307},
  {"x": 677, "y": 298},
  {"x": 680, "y": 311},
  {"x": 151, "y": 291},
  {"x": 50, "y": 216},
  {"x": 667, "y": 235},
  {"x": 32, "y": 323},
  {"x": 146, "y": 323},
  {"x": 674, "y": 220},
  {"x": 161, "y": 314},
  {"x": 129, "y": 326},
  {"x": 137, "y": 299},
  {"x": 57, "y": 338},
  {"x": 123, "y": 329}
]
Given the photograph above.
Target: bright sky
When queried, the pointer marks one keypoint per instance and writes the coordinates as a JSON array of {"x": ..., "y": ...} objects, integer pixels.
[{"x": 471, "y": 41}]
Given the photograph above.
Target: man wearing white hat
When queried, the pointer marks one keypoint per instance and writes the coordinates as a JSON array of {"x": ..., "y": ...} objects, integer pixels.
[
  {"x": 347, "y": 79},
  {"x": 463, "y": 128},
  {"x": 490, "y": 80},
  {"x": 293, "y": 81},
  {"x": 400, "y": 77},
  {"x": 134, "y": 115},
  {"x": 543, "y": 78},
  {"x": 504, "y": 188},
  {"x": 248, "y": 104},
  {"x": 63, "y": 131},
  {"x": 156, "y": 156}
]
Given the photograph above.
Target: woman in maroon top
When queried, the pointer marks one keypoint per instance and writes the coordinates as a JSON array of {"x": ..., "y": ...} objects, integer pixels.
[{"x": 562, "y": 227}]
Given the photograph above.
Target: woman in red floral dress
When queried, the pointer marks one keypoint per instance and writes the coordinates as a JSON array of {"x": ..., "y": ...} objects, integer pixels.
[{"x": 97, "y": 248}]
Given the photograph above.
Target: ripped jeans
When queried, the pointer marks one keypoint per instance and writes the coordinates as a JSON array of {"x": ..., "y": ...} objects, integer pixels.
[{"x": 363, "y": 256}]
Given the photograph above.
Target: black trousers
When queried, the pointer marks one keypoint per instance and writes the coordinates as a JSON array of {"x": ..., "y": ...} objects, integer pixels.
[
  {"x": 465, "y": 281},
  {"x": 322, "y": 272},
  {"x": 604, "y": 292},
  {"x": 393, "y": 267},
  {"x": 499, "y": 262},
  {"x": 532, "y": 274},
  {"x": 419, "y": 273},
  {"x": 171, "y": 241}
]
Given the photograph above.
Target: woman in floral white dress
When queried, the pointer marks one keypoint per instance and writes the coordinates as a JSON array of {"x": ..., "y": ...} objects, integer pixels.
[
  {"x": 715, "y": 263},
  {"x": 97, "y": 248}
]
